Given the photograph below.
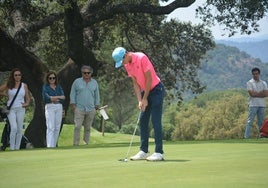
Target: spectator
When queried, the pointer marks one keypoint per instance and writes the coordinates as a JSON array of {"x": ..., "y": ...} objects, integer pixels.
[
  {"x": 84, "y": 99},
  {"x": 17, "y": 108},
  {"x": 257, "y": 90},
  {"x": 53, "y": 96}
]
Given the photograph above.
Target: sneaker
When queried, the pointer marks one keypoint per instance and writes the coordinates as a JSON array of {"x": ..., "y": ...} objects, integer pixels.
[
  {"x": 155, "y": 157},
  {"x": 139, "y": 156}
]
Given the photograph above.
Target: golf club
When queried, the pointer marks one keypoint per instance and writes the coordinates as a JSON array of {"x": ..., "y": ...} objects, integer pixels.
[{"x": 138, "y": 122}]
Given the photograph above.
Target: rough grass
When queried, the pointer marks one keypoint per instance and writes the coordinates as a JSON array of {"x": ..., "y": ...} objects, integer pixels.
[{"x": 221, "y": 164}]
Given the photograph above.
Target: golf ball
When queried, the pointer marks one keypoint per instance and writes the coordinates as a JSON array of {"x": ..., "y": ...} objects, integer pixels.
[{"x": 125, "y": 160}]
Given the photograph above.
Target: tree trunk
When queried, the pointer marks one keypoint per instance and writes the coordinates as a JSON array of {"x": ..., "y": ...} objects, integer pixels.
[{"x": 12, "y": 56}]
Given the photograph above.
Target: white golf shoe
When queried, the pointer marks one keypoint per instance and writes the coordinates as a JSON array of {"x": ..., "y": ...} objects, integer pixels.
[
  {"x": 155, "y": 157},
  {"x": 141, "y": 155}
]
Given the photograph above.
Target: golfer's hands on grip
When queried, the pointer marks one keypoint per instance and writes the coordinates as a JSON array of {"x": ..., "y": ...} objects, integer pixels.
[{"x": 143, "y": 104}]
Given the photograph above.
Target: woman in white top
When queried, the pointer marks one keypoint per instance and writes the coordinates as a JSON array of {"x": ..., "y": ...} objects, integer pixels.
[{"x": 17, "y": 111}]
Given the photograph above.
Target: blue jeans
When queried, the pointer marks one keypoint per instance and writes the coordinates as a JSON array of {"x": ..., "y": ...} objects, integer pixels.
[
  {"x": 252, "y": 112},
  {"x": 154, "y": 109}
]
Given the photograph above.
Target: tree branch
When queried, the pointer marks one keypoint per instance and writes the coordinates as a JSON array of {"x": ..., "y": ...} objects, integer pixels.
[
  {"x": 47, "y": 21},
  {"x": 93, "y": 6},
  {"x": 109, "y": 11},
  {"x": 40, "y": 24}
]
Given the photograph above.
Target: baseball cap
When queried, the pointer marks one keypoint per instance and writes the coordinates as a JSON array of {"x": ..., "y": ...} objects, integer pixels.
[{"x": 118, "y": 55}]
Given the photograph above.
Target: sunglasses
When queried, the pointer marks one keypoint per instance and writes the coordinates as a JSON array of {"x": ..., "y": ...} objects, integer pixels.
[
  {"x": 17, "y": 74},
  {"x": 86, "y": 72},
  {"x": 51, "y": 78}
]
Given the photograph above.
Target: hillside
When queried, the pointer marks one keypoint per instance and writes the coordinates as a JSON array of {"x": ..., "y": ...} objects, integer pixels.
[
  {"x": 227, "y": 68},
  {"x": 257, "y": 49}
]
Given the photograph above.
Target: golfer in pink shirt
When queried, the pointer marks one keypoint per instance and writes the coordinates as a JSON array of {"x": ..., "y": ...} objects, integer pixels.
[{"x": 150, "y": 94}]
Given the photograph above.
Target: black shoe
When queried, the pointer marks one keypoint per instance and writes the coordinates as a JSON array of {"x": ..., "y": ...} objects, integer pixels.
[{"x": 2, "y": 148}]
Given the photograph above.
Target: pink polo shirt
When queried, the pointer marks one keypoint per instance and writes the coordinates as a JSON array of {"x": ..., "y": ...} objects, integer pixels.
[{"x": 137, "y": 68}]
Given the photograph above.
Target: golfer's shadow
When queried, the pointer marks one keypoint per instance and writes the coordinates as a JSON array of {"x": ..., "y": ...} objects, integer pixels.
[{"x": 176, "y": 160}]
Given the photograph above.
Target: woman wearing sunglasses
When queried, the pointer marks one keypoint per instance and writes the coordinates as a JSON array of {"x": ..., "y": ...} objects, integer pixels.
[
  {"x": 53, "y": 96},
  {"x": 18, "y": 99}
]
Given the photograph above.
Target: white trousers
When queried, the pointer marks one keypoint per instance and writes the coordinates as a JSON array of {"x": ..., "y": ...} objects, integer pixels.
[
  {"x": 16, "y": 119},
  {"x": 53, "y": 113}
]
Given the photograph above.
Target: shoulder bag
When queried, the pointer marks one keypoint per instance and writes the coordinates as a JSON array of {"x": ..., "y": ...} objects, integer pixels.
[{"x": 5, "y": 110}]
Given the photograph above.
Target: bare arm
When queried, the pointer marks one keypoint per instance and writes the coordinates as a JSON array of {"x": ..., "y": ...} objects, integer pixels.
[
  {"x": 265, "y": 93},
  {"x": 148, "y": 78},
  {"x": 136, "y": 89},
  {"x": 143, "y": 102},
  {"x": 260, "y": 94},
  {"x": 27, "y": 96},
  {"x": 57, "y": 98}
]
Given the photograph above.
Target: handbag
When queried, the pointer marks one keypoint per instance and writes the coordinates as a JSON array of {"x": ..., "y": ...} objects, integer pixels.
[{"x": 5, "y": 109}]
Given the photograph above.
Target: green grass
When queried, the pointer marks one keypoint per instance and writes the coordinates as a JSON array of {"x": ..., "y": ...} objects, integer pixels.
[{"x": 221, "y": 164}]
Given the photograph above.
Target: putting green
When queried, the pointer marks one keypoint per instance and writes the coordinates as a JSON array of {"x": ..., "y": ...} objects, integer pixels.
[{"x": 206, "y": 164}]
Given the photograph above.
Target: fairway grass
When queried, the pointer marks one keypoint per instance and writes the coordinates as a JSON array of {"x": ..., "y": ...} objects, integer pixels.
[{"x": 188, "y": 164}]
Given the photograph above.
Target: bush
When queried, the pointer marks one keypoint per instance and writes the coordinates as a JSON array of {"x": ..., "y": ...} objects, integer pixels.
[
  {"x": 110, "y": 127},
  {"x": 167, "y": 131},
  {"x": 129, "y": 129}
]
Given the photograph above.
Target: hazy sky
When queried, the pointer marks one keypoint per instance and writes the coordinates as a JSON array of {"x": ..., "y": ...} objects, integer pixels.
[{"x": 188, "y": 14}]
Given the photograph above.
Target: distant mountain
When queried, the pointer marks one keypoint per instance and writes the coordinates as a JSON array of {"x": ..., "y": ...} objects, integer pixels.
[
  {"x": 228, "y": 68},
  {"x": 257, "y": 48},
  {"x": 247, "y": 39}
]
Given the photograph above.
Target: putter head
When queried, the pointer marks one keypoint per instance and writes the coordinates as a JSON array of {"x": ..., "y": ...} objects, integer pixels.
[{"x": 123, "y": 160}]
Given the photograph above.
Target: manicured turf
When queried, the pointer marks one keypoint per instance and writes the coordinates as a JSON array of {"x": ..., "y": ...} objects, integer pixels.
[{"x": 208, "y": 164}]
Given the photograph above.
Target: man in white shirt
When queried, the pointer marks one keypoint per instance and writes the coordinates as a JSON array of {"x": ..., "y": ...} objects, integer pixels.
[{"x": 257, "y": 90}]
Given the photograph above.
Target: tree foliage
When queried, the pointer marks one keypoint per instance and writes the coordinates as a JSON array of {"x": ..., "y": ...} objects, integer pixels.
[
  {"x": 239, "y": 16},
  {"x": 45, "y": 33}
]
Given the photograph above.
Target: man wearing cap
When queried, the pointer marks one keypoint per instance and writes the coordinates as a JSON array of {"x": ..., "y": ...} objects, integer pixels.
[
  {"x": 84, "y": 99},
  {"x": 150, "y": 94}
]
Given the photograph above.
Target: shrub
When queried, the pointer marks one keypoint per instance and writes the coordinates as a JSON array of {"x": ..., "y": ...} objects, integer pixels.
[
  {"x": 167, "y": 131},
  {"x": 110, "y": 127},
  {"x": 129, "y": 129}
]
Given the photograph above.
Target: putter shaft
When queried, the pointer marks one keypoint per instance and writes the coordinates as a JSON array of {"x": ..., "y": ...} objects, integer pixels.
[{"x": 138, "y": 122}]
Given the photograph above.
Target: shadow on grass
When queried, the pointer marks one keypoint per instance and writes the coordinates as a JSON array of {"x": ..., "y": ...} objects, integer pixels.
[
  {"x": 164, "y": 161},
  {"x": 98, "y": 145},
  {"x": 126, "y": 144},
  {"x": 176, "y": 160}
]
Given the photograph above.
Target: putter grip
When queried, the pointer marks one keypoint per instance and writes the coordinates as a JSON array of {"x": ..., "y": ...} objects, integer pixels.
[{"x": 139, "y": 118}]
